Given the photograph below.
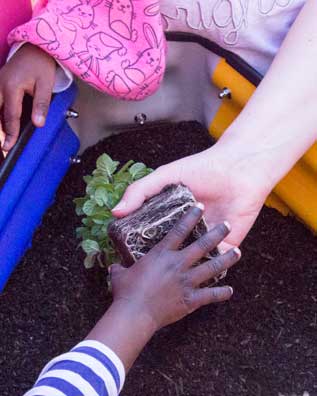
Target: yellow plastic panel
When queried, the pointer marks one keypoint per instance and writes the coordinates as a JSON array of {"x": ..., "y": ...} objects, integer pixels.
[{"x": 297, "y": 192}]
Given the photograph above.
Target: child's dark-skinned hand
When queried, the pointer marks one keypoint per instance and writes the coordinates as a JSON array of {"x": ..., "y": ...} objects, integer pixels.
[
  {"x": 30, "y": 71},
  {"x": 164, "y": 284}
]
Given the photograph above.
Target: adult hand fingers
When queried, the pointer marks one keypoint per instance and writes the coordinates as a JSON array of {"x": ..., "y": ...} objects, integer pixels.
[
  {"x": 223, "y": 247},
  {"x": 208, "y": 295},
  {"x": 183, "y": 228},
  {"x": 143, "y": 189},
  {"x": 11, "y": 116},
  {"x": 41, "y": 103},
  {"x": 214, "y": 267},
  {"x": 206, "y": 243}
]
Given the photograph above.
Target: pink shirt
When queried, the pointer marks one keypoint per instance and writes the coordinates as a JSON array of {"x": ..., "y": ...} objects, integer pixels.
[{"x": 117, "y": 46}]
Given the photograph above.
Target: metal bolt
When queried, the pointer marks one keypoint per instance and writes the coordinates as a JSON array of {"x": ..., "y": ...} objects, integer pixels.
[
  {"x": 225, "y": 93},
  {"x": 140, "y": 118},
  {"x": 75, "y": 160},
  {"x": 71, "y": 113}
]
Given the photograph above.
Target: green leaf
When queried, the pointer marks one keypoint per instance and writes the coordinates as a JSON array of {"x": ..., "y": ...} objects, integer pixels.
[
  {"x": 120, "y": 186},
  {"x": 112, "y": 201},
  {"x": 95, "y": 230},
  {"x": 104, "y": 229},
  {"x": 98, "y": 173},
  {"x": 99, "y": 219},
  {"x": 80, "y": 231},
  {"x": 116, "y": 197},
  {"x": 106, "y": 165},
  {"x": 89, "y": 261},
  {"x": 98, "y": 181},
  {"x": 79, "y": 211},
  {"x": 103, "y": 243},
  {"x": 87, "y": 222},
  {"x": 125, "y": 178},
  {"x": 83, "y": 233},
  {"x": 89, "y": 207},
  {"x": 87, "y": 179},
  {"x": 101, "y": 196},
  {"x": 100, "y": 215},
  {"x": 138, "y": 170},
  {"x": 79, "y": 202},
  {"x": 90, "y": 247}
]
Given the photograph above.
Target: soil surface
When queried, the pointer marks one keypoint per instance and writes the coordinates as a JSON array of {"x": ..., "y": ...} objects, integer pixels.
[{"x": 262, "y": 343}]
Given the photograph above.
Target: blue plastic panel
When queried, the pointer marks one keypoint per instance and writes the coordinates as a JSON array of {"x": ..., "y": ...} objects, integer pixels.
[
  {"x": 34, "y": 152},
  {"x": 32, "y": 184}
]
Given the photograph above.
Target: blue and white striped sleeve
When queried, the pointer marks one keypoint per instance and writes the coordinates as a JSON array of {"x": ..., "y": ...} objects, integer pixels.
[{"x": 89, "y": 369}]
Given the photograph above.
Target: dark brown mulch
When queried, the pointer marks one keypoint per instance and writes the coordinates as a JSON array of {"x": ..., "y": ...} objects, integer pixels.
[{"x": 262, "y": 343}]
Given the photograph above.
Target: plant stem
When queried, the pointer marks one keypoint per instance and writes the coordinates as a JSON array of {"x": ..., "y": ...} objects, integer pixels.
[{"x": 125, "y": 167}]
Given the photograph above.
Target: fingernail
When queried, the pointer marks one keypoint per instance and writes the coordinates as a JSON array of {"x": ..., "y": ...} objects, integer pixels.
[
  {"x": 121, "y": 205},
  {"x": 237, "y": 251},
  {"x": 200, "y": 205},
  {"x": 5, "y": 146},
  {"x": 39, "y": 120},
  {"x": 231, "y": 289},
  {"x": 227, "y": 225}
]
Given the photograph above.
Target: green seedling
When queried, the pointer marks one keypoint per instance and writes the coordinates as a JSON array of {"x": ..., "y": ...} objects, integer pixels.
[{"x": 104, "y": 189}]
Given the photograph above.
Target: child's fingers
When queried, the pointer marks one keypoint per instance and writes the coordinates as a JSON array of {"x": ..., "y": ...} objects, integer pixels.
[
  {"x": 41, "y": 103},
  {"x": 183, "y": 228},
  {"x": 208, "y": 295},
  {"x": 214, "y": 267},
  {"x": 11, "y": 116},
  {"x": 206, "y": 243}
]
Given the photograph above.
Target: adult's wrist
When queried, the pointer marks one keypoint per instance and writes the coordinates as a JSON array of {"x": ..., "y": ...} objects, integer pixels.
[{"x": 244, "y": 165}]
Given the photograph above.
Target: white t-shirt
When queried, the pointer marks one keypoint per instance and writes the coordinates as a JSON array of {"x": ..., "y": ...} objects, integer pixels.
[{"x": 253, "y": 29}]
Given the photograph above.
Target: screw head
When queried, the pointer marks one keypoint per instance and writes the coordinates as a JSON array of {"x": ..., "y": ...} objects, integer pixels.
[
  {"x": 225, "y": 93},
  {"x": 75, "y": 160},
  {"x": 140, "y": 118},
  {"x": 71, "y": 113}
]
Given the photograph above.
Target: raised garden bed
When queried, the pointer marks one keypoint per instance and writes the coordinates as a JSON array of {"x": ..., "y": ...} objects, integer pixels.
[{"x": 261, "y": 343}]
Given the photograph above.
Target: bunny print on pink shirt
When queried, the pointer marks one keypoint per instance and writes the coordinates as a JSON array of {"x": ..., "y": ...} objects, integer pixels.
[
  {"x": 121, "y": 16},
  {"x": 149, "y": 58},
  {"x": 99, "y": 47},
  {"x": 82, "y": 14},
  {"x": 131, "y": 74}
]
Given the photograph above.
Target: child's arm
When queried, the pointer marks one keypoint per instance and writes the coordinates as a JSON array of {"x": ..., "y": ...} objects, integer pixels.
[
  {"x": 162, "y": 288},
  {"x": 30, "y": 71}
]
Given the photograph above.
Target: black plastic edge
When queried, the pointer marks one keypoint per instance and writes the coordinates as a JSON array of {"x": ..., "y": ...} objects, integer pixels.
[
  {"x": 27, "y": 131},
  {"x": 241, "y": 66}
]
